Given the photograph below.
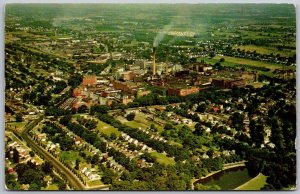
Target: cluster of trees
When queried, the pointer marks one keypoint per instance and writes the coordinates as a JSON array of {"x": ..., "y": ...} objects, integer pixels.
[
  {"x": 93, "y": 68},
  {"x": 171, "y": 150},
  {"x": 278, "y": 163},
  {"x": 61, "y": 98},
  {"x": 38, "y": 96},
  {"x": 58, "y": 135},
  {"x": 88, "y": 123},
  {"x": 166, "y": 177},
  {"x": 130, "y": 116},
  {"x": 59, "y": 86},
  {"x": 55, "y": 111},
  {"x": 29, "y": 173},
  {"x": 119, "y": 157},
  {"x": 185, "y": 136},
  {"x": 89, "y": 136},
  {"x": 75, "y": 80}
]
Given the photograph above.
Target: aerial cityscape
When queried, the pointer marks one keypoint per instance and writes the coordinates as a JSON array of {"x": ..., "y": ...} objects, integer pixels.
[{"x": 150, "y": 97}]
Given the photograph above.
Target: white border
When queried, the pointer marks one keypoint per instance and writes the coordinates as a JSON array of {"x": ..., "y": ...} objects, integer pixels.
[{"x": 2, "y": 93}]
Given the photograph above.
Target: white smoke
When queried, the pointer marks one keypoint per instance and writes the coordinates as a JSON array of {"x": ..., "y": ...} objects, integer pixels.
[
  {"x": 183, "y": 17},
  {"x": 160, "y": 36}
]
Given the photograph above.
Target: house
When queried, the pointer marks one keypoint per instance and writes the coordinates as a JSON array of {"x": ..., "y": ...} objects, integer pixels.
[{"x": 94, "y": 177}]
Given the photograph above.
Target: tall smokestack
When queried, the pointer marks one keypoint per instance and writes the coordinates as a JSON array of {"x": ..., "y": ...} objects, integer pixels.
[
  {"x": 154, "y": 65},
  {"x": 167, "y": 65}
]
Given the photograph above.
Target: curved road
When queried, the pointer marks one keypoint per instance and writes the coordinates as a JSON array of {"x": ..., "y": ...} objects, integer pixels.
[{"x": 73, "y": 180}]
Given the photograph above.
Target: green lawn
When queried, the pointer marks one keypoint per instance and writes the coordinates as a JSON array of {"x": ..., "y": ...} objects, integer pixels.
[
  {"x": 16, "y": 125},
  {"x": 254, "y": 184},
  {"x": 136, "y": 124},
  {"x": 69, "y": 156},
  {"x": 266, "y": 50},
  {"x": 51, "y": 187},
  {"x": 94, "y": 183},
  {"x": 235, "y": 60},
  {"x": 163, "y": 159},
  {"x": 106, "y": 128}
]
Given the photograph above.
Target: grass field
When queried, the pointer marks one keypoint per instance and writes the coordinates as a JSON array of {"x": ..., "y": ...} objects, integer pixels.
[
  {"x": 51, "y": 187},
  {"x": 266, "y": 50},
  {"x": 249, "y": 62},
  {"x": 163, "y": 159},
  {"x": 16, "y": 125},
  {"x": 106, "y": 128},
  {"x": 254, "y": 184},
  {"x": 236, "y": 62},
  {"x": 93, "y": 183},
  {"x": 136, "y": 124},
  {"x": 69, "y": 156}
]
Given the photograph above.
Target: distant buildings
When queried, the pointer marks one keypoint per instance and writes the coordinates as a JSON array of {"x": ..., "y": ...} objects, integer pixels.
[
  {"x": 183, "y": 91},
  {"x": 104, "y": 91},
  {"x": 228, "y": 83}
]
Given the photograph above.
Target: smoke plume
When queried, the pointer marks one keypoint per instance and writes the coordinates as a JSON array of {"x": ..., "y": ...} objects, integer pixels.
[{"x": 160, "y": 36}]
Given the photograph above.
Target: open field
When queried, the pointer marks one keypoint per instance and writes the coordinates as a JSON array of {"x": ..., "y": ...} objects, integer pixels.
[
  {"x": 248, "y": 63},
  {"x": 51, "y": 187},
  {"x": 106, "y": 128},
  {"x": 266, "y": 50},
  {"x": 235, "y": 60},
  {"x": 16, "y": 125},
  {"x": 69, "y": 156},
  {"x": 93, "y": 183},
  {"x": 162, "y": 158},
  {"x": 254, "y": 184}
]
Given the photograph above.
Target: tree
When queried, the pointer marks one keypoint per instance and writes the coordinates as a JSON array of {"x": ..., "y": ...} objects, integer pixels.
[
  {"x": 16, "y": 156},
  {"x": 34, "y": 187},
  {"x": 201, "y": 187},
  {"x": 95, "y": 159},
  {"x": 60, "y": 183},
  {"x": 31, "y": 153},
  {"x": 201, "y": 108},
  {"x": 126, "y": 176},
  {"x": 19, "y": 117},
  {"x": 257, "y": 133},
  {"x": 82, "y": 109},
  {"x": 199, "y": 130},
  {"x": 169, "y": 126},
  {"x": 31, "y": 176},
  {"x": 47, "y": 167},
  {"x": 21, "y": 168},
  {"x": 77, "y": 162},
  {"x": 210, "y": 153},
  {"x": 113, "y": 136},
  {"x": 65, "y": 120},
  {"x": 130, "y": 116},
  {"x": 108, "y": 176},
  {"x": 99, "y": 109},
  {"x": 212, "y": 54}
]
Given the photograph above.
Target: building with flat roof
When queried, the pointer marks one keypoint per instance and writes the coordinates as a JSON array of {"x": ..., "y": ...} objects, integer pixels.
[{"x": 183, "y": 91}]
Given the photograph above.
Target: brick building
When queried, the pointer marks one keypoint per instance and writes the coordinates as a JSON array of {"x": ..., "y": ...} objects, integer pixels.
[
  {"x": 127, "y": 87},
  {"x": 89, "y": 80},
  {"x": 228, "y": 83},
  {"x": 183, "y": 91}
]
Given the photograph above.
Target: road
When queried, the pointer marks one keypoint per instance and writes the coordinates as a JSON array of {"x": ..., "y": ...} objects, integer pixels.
[{"x": 72, "y": 179}]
